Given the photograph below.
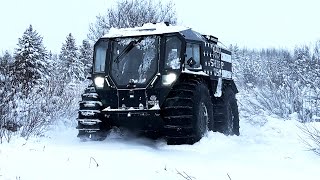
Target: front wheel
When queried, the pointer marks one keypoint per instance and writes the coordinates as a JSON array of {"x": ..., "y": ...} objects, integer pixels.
[
  {"x": 90, "y": 122},
  {"x": 187, "y": 113}
]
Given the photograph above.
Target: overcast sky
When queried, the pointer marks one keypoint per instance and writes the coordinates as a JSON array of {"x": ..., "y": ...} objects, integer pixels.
[{"x": 250, "y": 23}]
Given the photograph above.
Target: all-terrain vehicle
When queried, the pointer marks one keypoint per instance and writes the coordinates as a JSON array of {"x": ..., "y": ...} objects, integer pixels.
[{"x": 159, "y": 79}]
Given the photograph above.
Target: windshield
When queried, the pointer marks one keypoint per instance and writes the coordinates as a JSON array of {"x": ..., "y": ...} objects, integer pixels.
[
  {"x": 134, "y": 60},
  {"x": 100, "y": 56}
]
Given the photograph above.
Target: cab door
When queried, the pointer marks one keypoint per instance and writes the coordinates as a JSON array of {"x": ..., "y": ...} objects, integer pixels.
[{"x": 192, "y": 57}]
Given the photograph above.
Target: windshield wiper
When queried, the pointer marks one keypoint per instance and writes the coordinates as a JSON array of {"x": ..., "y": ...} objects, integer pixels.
[{"x": 128, "y": 48}]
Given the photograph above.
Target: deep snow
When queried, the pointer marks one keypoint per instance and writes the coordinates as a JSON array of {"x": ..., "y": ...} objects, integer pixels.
[{"x": 272, "y": 150}]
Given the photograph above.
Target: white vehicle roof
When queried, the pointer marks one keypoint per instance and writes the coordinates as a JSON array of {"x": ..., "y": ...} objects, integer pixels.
[{"x": 146, "y": 29}]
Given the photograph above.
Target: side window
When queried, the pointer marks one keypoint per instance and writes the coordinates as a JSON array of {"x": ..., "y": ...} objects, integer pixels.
[
  {"x": 173, "y": 49},
  {"x": 193, "y": 51}
]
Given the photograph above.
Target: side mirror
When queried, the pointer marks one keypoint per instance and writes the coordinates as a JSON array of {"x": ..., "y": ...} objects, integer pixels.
[{"x": 191, "y": 62}]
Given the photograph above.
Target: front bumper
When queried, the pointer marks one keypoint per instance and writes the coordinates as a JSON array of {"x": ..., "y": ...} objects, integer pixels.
[{"x": 134, "y": 119}]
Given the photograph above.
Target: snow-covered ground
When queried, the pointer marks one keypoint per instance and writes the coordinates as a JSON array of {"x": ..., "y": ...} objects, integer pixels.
[{"x": 269, "y": 150}]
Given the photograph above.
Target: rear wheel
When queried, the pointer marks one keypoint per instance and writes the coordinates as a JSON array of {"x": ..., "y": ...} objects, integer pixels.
[
  {"x": 187, "y": 113},
  {"x": 226, "y": 113},
  {"x": 90, "y": 124}
]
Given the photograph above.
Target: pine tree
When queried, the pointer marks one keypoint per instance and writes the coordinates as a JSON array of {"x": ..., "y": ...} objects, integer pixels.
[
  {"x": 86, "y": 53},
  {"x": 316, "y": 52},
  {"x": 30, "y": 60},
  {"x": 235, "y": 61},
  {"x": 302, "y": 64},
  {"x": 5, "y": 72},
  {"x": 4, "y": 63},
  {"x": 69, "y": 57},
  {"x": 6, "y": 94},
  {"x": 316, "y": 63}
]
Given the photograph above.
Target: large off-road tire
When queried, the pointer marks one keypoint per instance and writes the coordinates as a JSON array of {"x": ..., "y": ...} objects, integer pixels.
[
  {"x": 90, "y": 111},
  {"x": 226, "y": 113},
  {"x": 187, "y": 113}
]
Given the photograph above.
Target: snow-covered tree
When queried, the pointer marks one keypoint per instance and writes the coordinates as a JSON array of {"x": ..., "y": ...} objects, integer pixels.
[
  {"x": 5, "y": 63},
  {"x": 316, "y": 52},
  {"x": 73, "y": 68},
  {"x": 316, "y": 63},
  {"x": 30, "y": 60},
  {"x": 302, "y": 60},
  {"x": 235, "y": 61},
  {"x": 131, "y": 13},
  {"x": 7, "y": 92},
  {"x": 86, "y": 55},
  {"x": 247, "y": 66},
  {"x": 5, "y": 79},
  {"x": 69, "y": 51}
]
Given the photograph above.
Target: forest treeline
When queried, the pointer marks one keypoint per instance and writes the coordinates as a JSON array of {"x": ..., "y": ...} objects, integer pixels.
[{"x": 280, "y": 81}]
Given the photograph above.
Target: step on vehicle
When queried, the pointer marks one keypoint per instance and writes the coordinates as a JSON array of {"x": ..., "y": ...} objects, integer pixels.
[{"x": 167, "y": 81}]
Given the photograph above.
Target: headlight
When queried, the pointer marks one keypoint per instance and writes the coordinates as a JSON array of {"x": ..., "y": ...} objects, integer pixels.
[
  {"x": 169, "y": 79},
  {"x": 99, "y": 82}
]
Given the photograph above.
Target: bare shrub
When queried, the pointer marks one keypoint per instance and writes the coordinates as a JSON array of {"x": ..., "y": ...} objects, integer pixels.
[
  {"x": 131, "y": 13},
  {"x": 312, "y": 139}
]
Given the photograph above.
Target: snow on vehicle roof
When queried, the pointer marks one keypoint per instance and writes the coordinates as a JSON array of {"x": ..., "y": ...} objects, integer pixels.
[{"x": 146, "y": 29}]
